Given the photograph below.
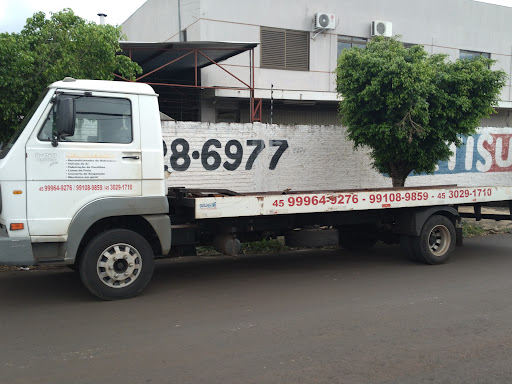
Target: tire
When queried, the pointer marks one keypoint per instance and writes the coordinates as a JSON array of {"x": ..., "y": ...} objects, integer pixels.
[
  {"x": 357, "y": 240},
  {"x": 406, "y": 245},
  {"x": 312, "y": 238},
  {"x": 116, "y": 264},
  {"x": 436, "y": 242}
]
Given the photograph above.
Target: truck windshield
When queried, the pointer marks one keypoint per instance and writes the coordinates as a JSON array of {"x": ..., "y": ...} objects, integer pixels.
[{"x": 5, "y": 149}]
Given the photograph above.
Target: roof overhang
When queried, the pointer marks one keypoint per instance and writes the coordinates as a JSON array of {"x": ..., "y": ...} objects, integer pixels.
[{"x": 151, "y": 56}]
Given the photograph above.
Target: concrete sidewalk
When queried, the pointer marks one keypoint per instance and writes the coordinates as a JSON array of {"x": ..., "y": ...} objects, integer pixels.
[{"x": 492, "y": 226}]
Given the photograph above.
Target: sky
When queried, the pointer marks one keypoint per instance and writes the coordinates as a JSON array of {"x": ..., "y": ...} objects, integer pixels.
[{"x": 13, "y": 13}]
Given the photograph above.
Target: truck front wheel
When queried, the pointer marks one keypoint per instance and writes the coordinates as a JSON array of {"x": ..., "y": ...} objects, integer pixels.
[
  {"x": 436, "y": 242},
  {"x": 116, "y": 264}
]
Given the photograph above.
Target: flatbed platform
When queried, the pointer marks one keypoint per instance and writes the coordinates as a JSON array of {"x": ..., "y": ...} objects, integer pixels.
[{"x": 210, "y": 204}]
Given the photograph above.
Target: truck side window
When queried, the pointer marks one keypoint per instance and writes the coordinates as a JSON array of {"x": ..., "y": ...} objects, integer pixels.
[
  {"x": 46, "y": 132},
  {"x": 98, "y": 120}
]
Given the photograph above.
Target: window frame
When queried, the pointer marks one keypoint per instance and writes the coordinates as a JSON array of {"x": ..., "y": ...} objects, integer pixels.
[
  {"x": 470, "y": 55},
  {"x": 354, "y": 41},
  {"x": 83, "y": 95}
]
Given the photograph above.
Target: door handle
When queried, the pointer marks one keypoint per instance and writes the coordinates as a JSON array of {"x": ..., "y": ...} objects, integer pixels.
[{"x": 131, "y": 157}]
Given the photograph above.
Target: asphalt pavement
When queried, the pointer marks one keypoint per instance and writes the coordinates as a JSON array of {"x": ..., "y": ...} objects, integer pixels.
[{"x": 304, "y": 317}]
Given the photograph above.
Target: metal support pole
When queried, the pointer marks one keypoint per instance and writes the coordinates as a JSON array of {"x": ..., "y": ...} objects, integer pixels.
[
  {"x": 179, "y": 21},
  {"x": 251, "y": 82},
  {"x": 271, "y": 103},
  {"x": 224, "y": 69}
]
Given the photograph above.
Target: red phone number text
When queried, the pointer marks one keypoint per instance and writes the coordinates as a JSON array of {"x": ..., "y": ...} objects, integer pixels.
[
  {"x": 316, "y": 200},
  {"x": 380, "y": 198},
  {"x": 86, "y": 187}
]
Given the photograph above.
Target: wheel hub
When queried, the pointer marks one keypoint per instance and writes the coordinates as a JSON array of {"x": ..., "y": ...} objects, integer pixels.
[
  {"x": 119, "y": 265},
  {"x": 439, "y": 240}
]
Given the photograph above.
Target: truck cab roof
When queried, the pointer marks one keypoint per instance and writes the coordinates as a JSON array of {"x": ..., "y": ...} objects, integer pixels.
[{"x": 104, "y": 86}]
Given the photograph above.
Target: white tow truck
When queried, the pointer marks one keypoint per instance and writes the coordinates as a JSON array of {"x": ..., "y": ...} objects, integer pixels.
[{"x": 82, "y": 184}]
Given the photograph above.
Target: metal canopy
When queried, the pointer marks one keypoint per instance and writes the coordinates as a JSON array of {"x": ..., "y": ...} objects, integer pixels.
[
  {"x": 151, "y": 56},
  {"x": 177, "y": 64}
]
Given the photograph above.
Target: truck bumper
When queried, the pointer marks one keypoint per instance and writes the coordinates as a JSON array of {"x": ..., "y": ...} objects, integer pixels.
[{"x": 16, "y": 251}]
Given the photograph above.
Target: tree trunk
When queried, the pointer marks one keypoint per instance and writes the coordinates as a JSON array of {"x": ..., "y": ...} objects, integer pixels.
[
  {"x": 399, "y": 172},
  {"x": 398, "y": 181}
]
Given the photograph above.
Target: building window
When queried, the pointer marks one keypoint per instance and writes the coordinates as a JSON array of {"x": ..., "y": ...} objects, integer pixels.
[
  {"x": 284, "y": 49},
  {"x": 409, "y": 45},
  {"x": 346, "y": 42},
  {"x": 473, "y": 54},
  {"x": 228, "y": 116}
]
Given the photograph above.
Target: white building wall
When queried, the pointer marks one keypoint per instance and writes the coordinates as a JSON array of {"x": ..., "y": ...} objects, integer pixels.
[
  {"x": 157, "y": 21},
  {"x": 320, "y": 158},
  {"x": 442, "y": 26}
]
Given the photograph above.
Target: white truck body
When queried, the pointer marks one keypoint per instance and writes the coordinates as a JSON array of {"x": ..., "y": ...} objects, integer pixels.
[
  {"x": 350, "y": 200},
  {"x": 82, "y": 183}
]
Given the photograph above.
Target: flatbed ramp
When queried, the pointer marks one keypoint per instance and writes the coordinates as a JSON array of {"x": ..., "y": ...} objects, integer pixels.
[{"x": 220, "y": 204}]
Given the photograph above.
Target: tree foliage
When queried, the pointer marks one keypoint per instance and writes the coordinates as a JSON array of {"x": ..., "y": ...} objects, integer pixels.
[
  {"x": 408, "y": 106},
  {"x": 47, "y": 50}
]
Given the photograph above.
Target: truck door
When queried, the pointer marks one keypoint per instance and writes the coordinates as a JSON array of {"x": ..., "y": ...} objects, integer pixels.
[{"x": 102, "y": 159}]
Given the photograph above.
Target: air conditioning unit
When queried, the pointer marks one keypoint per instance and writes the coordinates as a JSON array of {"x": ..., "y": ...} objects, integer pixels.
[
  {"x": 382, "y": 28},
  {"x": 325, "y": 20}
]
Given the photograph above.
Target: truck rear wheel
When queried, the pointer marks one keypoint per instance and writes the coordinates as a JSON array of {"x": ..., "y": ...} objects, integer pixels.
[
  {"x": 116, "y": 264},
  {"x": 436, "y": 241}
]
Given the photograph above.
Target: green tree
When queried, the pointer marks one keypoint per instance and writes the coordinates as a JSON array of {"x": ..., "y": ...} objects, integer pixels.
[
  {"x": 407, "y": 106},
  {"x": 47, "y": 50}
]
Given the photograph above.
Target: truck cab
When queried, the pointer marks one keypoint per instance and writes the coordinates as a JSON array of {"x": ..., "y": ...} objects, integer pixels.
[{"x": 88, "y": 151}]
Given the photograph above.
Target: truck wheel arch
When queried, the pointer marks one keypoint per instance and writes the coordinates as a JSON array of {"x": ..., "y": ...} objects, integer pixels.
[
  {"x": 145, "y": 216},
  {"x": 411, "y": 221},
  {"x": 416, "y": 229}
]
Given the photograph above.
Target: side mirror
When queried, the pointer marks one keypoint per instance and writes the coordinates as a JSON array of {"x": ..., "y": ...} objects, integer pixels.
[{"x": 65, "y": 118}]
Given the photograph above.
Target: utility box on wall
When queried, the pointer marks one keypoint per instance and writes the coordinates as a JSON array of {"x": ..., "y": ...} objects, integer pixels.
[
  {"x": 381, "y": 28},
  {"x": 324, "y": 20}
]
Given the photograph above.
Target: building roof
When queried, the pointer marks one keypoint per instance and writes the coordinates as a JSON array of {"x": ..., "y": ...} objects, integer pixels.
[{"x": 151, "y": 56}]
